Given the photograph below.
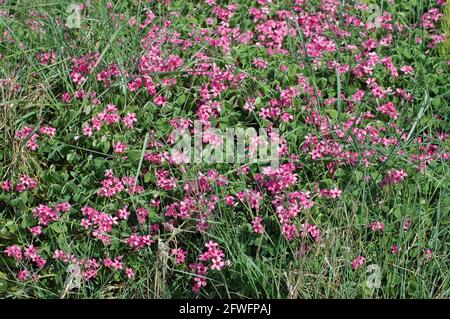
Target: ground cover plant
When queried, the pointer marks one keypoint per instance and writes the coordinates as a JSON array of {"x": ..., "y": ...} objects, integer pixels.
[{"x": 94, "y": 202}]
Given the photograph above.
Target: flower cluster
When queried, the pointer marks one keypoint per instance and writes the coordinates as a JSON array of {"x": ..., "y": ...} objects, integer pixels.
[
  {"x": 101, "y": 223},
  {"x": 212, "y": 256},
  {"x": 112, "y": 185},
  {"x": 138, "y": 242},
  {"x": 179, "y": 254},
  {"x": 394, "y": 177},
  {"x": 336, "y": 91},
  {"x": 358, "y": 262},
  {"x": 25, "y": 183},
  {"x": 45, "y": 214},
  {"x": 31, "y": 136},
  {"x": 82, "y": 66},
  {"x": 258, "y": 228}
]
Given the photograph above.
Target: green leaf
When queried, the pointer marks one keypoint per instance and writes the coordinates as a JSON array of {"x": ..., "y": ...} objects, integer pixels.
[
  {"x": 148, "y": 177},
  {"x": 3, "y": 281},
  {"x": 358, "y": 176},
  {"x": 398, "y": 212},
  {"x": 106, "y": 146},
  {"x": 134, "y": 155},
  {"x": 58, "y": 227},
  {"x": 437, "y": 102},
  {"x": 181, "y": 99},
  {"x": 332, "y": 113}
]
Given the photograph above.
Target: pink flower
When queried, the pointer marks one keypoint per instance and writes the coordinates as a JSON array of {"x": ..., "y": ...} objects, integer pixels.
[
  {"x": 213, "y": 254},
  {"x": 389, "y": 110},
  {"x": 283, "y": 68},
  {"x": 115, "y": 264},
  {"x": 142, "y": 215},
  {"x": 132, "y": 22},
  {"x": 406, "y": 223},
  {"x": 395, "y": 249},
  {"x": 331, "y": 193},
  {"x": 22, "y": 275},
  {"x": 376, "y": 226},
  {"x": 123, "y": 213},
  {"x": 217, "y": 264},
  {"x": 63, "y": 207},
  {"x": 82, "y": 66},
  {"x": 211, "y": 245},
  {"x": 111, "y": 186},
  {"x": 6, "y": 185},
  {"x": 66, "y": 97},
  {"x": 257, "y": 226},
  {"x": 164, "y": 180},
  {"x": 91, "y": 267},
  {"x": 160, "y": 100},
  {"x": 87, "y": 130},
  {"x": 47, "y": 57},
  {"x": 394, "y": 177},
  {"x": 199, "y": 282},
  {"x": 387, "y": 62},
  {"x": 260, "y": 63},
  {"x": 312, "y": 230},
  {"x": 180, "y": 255},
  {"x": 137, "y": 242},
  {"x": 24, "y": 132},
  {"x": 45, "y": 214},
  {"x": 252, "y": 196},
  {"x": 120, "y": 147},
  {"x": 129, "y": 120},
  {"x": 40, "y": 262},
  {"x": 229, "y": 200},
  {"x": 101, "y": 223},
  {"x": 155, "y": 202},
  {"x": 37, "y": 230},
  {"x": 407, "y": 69},
  {"x": 135, "y": 85},
  {"x": 30, "y": 252},
  {"x": 245, "y": 169},
  {"x": 108, "y": 262},
  {"x": 358, "y": 262},
  {"x": 129, "y": 272},
  {"x": 60, "y": 255},
  {"x": 14, "y": 251},
  {"x": 428, "y": 253},
  {"x": 25, "y": 183},
  {"x": 47, "y": 130},
  {"x": 85, "y": 223}
]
